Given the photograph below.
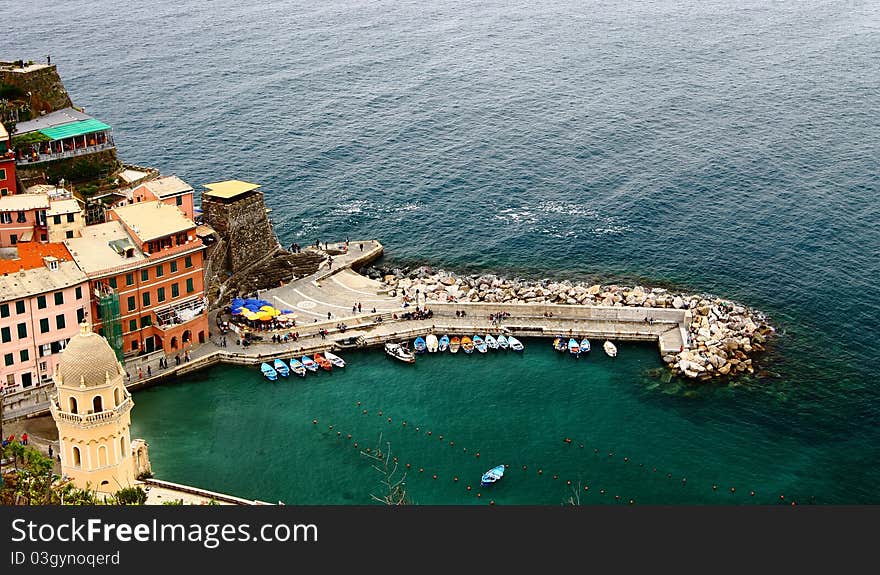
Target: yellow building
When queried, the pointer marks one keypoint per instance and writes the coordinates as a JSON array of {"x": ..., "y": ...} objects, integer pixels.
[{"x": 92, "y": 410}]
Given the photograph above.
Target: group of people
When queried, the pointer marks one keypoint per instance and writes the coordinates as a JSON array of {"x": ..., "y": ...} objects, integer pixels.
[
  {"x": 11, "y": 439},
  {"x": 417, "y": 314},
  {"x": 278, "y": 338}
]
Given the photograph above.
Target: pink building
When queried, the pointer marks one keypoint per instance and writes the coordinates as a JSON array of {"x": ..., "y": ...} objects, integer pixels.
[
  {"x": 169, "y": 190},
  {"x": 43, "y": 298},
  {"x": 23, "y": 219}
]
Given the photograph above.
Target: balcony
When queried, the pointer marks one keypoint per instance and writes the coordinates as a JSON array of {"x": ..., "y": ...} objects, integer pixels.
[
  {"x": 180, "y": 313},
  {"x": 90, "y": 419},
  {"x": 31, "y": 159}
]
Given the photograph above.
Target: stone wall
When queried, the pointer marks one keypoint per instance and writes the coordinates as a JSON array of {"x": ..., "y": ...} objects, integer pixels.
[
  {"x": 78, "y": 170},
  {"x": 245, "y": 227},
  {"x": 48, "y": 93}
]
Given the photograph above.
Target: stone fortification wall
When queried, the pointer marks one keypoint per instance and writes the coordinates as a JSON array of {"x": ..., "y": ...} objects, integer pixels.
[
  {"x": 245, "y": 227},
  {"x": 43, "y": 82}
]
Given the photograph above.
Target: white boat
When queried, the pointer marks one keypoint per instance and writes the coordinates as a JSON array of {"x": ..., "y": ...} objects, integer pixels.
[
  {"x": 515, "y": 344},
  {"x": 491, "y": 342},
  {"x": 502, "y": 341},
  {"x": 297, "y": 367},
  {"x": 432, "y": 342},
  {"x": 334, "y": 359},
  {"x": 610, "y": 348},
  {"x": 397, "y": 351}
]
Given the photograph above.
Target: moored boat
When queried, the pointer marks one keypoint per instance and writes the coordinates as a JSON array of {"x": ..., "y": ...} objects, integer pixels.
[
  {"x": 502, "y": 341},
  {"x": 323, "y": 362},
  {"x": 432, "y": 343},
  {"x": 480, "y": 344},
  {"x": 610, "y": 348},
  {"x": 492, "y": 476},
  {"x": 281, "y": 368},
  {"x": 559, "y": 344},
  {"x": 515, "y": 344},
  {"x": 308, "y": 363},
  {"x": 574, "y": 347},
  {"x": 491, "y": 342},
  {"x": 454, "y": 344},
  {"x": 268, "y": 371},
  {"x": 419, "y": 345},
  {"x": 585, "y": 345},
  {"x": 334, "y": 359},
  {"x": 297, "y": 367},
  {"x": 467, "y": 344},
  {"x": 443, "y": 344},
  {"x": 397, "y": 351}
]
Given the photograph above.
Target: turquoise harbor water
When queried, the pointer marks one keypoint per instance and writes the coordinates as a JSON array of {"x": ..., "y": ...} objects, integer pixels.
[{"x": 724, "y": 148}]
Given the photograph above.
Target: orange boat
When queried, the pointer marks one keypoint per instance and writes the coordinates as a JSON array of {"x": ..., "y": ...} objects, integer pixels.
[{"x": 323, "y": 362}]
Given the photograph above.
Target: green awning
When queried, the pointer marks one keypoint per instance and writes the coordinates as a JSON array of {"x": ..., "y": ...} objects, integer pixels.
[{"x": 75, "y": 129}]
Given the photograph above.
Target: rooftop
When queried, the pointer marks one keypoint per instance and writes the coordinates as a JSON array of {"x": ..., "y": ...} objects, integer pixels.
[
  {"x": 23, "y": 202},
  {"x": 37, "y": 278},
  {"x": 129, "y": 175},
  {"x": 59, "y": 207},
  {"x": 101, "y": 247},
  {"x": 75, "y": 129},
  {"x": 51, "y": 120},
  {"x": 153, "y": 220},
  {"x": 30, "y": 256},
  {"x": 167, "y": 186},
  {"x": 229, "y": 189}
]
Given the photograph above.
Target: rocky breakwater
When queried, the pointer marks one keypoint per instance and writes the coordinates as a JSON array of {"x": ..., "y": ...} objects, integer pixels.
[{"x": 722, "y": 336}]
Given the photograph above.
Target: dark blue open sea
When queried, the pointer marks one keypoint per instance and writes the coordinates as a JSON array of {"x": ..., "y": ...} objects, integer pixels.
[{"x": 731, "y": 148}]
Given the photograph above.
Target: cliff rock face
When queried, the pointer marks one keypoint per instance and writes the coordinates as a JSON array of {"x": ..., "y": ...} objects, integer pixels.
[{"x": 48, "y": 93}]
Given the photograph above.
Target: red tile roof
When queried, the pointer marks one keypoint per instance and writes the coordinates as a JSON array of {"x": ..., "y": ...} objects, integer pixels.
[{"x": 31, "y": 254}]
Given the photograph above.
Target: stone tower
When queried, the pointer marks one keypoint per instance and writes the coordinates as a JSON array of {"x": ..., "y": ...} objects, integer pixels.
[{"x": 92, "y": 410}]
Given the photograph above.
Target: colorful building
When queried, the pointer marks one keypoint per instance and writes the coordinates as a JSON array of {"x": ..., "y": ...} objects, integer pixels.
[
  {"x": 43, "y": 296},
  {"x": 147, "y": 276},
  {"x": 170, "y": 190},
  {"x": 7, "y": 164},
  {"x": 23, "y": 218},
  {"x": 66, "y": 133}
]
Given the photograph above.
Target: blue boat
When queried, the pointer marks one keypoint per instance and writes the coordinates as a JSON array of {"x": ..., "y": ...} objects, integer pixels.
[
  {"x": 281, "y": 368},
  {"x": 492, "y": 476},
  {"x": 502, "y": 341},
  {"x": 515, "y": 344},
  {"x": 419, "y": 345},
  {"x": 585, "y": 345},
  {"x": 309, "y": 363},
  {"x": 443, "y": 345},
  {"x": 574, "y": 347},
  {"x": 559, "y": 344},
  {"x": 269, "y": 371},
  {"x": 481, "y": 345}
]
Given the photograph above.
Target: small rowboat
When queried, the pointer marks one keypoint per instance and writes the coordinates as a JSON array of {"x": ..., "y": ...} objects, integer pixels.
[
  {"x": 610, "y": 348},
  {"x": 481, "y": 345},
  {"x": 323, "y": 362},
  {"x": 308, "y": 363},
  {"x": 559, "y": 344},
  {"x": 432, "y": 343},
  {"x": 585, "y": 345},
  {"x": 397, "y": 351},
  {"x": 419, "y": 345},
  {"x": 491, "y": 342},
  {"x": 297, "y": 367},
  {"x": 515, "y": 344},
  {"x": 467, "y": 345},
  {"x": 574, "y": 347},
  {"x": 281, "y": 368},
  {"x": 492, "y": 476},
  {"x": 334, "y": 359},
  {"x": 268, "y": 371},
  {"x": 454, "y": 344},
  {"x": 502, "y": 342},
  {"x": 443, "y": 345}
]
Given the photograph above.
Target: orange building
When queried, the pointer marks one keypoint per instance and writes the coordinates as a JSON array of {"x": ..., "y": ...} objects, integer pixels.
[
  {"x": 146, "y": 270},
  {"x": 170, "y": 190}
]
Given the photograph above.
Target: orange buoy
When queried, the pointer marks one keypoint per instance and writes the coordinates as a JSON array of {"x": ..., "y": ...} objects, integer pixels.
[
  {"x": 586, "y": 487},
  {"x": 368, "y": 450},
  {"x": 782, "y": 497},
  {"x": 455, "y": 479},
  {"x": 492, "y": 502},
  {"x": 567, "y": 440},
  {"x": 733, "y": 489},
  {"x": 752, "y": 493},
  {"x": 435, "y": 477},
  {"x": 568, "y": 482},
  {"x": 479, "y": 494},
  {"x": 617, "y": 497},
  {"x": 468, "y": 487},
  {"x": 792, "y": 503},
  {"x": 477, "y": 454},
  {"x": 407, "y": 466}
]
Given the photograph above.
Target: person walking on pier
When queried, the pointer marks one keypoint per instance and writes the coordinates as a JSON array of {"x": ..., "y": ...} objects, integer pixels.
[
  {"x": 149, "y": 371},
  {"x": 140, "y": 373},
  {"x": 359, "y": 307},
  {"x": 177, "y": 359}
]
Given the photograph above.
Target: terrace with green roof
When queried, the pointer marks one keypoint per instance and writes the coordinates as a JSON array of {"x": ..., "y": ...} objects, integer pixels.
[{"x": 62, "y": 134}]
